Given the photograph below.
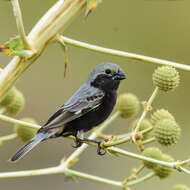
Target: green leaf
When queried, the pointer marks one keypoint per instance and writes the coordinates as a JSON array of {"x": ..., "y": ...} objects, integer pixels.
[
  {"x": 15, "y": 44},
  {"x": 15, "y": 47}
]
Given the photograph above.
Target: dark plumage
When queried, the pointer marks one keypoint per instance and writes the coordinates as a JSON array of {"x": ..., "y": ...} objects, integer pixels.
[{"x": 87, "y": 108}]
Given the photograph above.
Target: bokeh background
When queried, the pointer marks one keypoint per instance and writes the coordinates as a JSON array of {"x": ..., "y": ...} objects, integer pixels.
[{"x": 150, "y": 27}]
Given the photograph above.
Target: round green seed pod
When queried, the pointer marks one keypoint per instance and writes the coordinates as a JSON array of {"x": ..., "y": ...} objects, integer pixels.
[
  {"x": 159, "y": 115},
  {"x": 164, "y": 171},
  {"x": 145, "y": 124},
  {"x": 16, "y": 105},
  {"x": 25, "y": 133},
  {"x": 166, "y": 78},
  {"x": 152, "y": 152},
  {"x": 128, "y": 104},
  {"x": 9, "y": 97},
  {"x": 180, "y": 187},
  {"x": 167, "y": 132}
]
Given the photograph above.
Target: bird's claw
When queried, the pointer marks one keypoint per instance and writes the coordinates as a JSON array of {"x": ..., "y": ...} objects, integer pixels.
[
  {"x": 77, "y": 144},
  {"x": 99, "y": 149}
]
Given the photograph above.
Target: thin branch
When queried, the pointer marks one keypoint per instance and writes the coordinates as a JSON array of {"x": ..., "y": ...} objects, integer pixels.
[
  {"x": 94, "y": 178},
  {"x": 19, "y": 22},
  {"x": 15, "y": 121},
  {"x": 146, "y": 110},
  {"x": 175, "y": 165},
  {"x": 59, "y": 170},
  {"x": 121, "y": 139},
  {"x": 8, "y": 137},
  {"x": 28, "y": 173},
  {"x": 95, "y": 134},
  {"x": 56, "y": 20},
  {"x": 124, "y": 54},
  {"x": 141, "y": 179},
  {"x": 152, "y": 139},
  {"x": 134, "y": 174},
  {"x": 139, "y": 170},
  {"x": 63, "y": 167},
  {"x": 184, "y": 170}
]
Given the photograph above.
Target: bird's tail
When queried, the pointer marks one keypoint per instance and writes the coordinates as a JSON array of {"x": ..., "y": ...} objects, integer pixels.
[{"x": 29, "y": 146}]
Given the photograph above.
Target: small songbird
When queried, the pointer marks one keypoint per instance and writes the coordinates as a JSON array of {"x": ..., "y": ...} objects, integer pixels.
[{"x": 87, "y": 108}]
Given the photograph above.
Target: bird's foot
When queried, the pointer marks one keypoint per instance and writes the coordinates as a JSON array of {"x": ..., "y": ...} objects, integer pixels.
[
  {"x": 80, "y": 139},
  {"x": 99, "y": 149},
  {"x": 98, "y": 142},
  {"x": 77, "y": 144}
]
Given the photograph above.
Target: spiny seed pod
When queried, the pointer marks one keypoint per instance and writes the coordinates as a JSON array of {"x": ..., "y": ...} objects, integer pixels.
[
  {"x": 159, "y": 115},
  {"x": 166, "y": 78},
  {"x": 128, "y": 104},
  {"x": 167, "y": 132},
  {"x": 25, "y": 133},
  {"x": 180, "y": 187},
  {"x": 152, "y": 152},
  {"x": 145, "y": 124},
  {"x": 9, "y": 97},
  {"x": 16, "y": 105},
  {"x": 164, "y": 171}
]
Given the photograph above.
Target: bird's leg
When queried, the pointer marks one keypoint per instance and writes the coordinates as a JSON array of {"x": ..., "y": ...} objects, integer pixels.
[
  {"x": 80, "y": 139},
  {"x": 98, "y": 142}
]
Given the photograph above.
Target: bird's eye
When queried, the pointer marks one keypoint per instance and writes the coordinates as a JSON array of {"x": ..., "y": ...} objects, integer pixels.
[{"x": 108, "y": 71}]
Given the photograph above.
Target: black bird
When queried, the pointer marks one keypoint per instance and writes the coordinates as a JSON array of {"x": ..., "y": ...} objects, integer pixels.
[{"x": 87, "y": 108}]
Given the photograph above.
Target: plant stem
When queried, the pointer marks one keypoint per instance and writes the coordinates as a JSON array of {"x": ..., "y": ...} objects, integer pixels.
[
  {"x": 59, "y": 170},
  {"x": 141, "y": 168},
  {"x": 175, "y": 165},
  {"x": 141, "y": 179},
  {"x": 56, "y": 20},
  {"x": 63, "y": 167},
  {"x": 19, "y": 22},
  {"x": 148, "y": 140},
  {"x": 121, "y": 139},
  {"x": 8, "y": 137},
  {"x": 146, "y": 110},
  {"x": 94, "y": 178},
  {"x": 27, "y": 173},
  {"x": 124, "y": 54},
  {"x": 184, "y": 170},
  {"x": 95, "y": 134},
  {"x": 15, "y": 121}
]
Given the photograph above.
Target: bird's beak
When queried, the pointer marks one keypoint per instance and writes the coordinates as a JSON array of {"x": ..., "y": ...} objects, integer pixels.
[{"x": 119, "y": 76}]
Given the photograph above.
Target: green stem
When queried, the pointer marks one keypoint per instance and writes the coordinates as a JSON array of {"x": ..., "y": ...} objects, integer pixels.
[
  {"x": 95, "y": 134},
  {"x": 121, "y": 139},
  {"x": 184, "y": 162},
  {"x": 146, "y": 110},
  {"x": 141, "y": 179},
  {"x": 141, "y": 168},
  {"x": 128, "y": 55},
  {"x": 175, "y": 165},
  {"x": 134, "y": 175},
  {"x": 94, "y": 178},
  {"x": 19, "y": 22},
  {"x": 8, "y": 137},
  {"x": 56, "y": 20},
  {"x": 15, "y": 121},
  {"x": 148, "y": 140}
]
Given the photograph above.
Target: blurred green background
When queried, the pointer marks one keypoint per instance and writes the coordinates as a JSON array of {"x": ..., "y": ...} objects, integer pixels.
[{"x": 154, "y": 28}]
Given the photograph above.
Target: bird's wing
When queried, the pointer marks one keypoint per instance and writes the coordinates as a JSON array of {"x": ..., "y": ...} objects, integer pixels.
[{"x": 84, "y": 100}]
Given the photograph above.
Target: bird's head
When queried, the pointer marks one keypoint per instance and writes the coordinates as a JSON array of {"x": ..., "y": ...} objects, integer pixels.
[{"x": 106, "y": 76}]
